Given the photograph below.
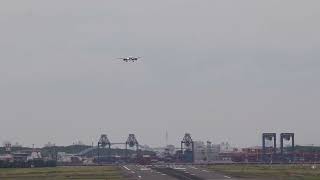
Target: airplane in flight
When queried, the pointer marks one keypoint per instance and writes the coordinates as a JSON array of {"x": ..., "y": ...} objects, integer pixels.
[{"x": 128, "y": 59}]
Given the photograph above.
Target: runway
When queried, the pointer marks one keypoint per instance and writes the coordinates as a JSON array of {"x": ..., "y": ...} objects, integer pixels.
[
  {"x": 136, "y": 172},
  {"x": 171, "y": 172}
]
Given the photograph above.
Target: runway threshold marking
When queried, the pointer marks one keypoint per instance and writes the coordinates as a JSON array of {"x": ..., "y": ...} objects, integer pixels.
[
  {"x": 144, "y": 169},
  {"x": 179, "y": 168}
]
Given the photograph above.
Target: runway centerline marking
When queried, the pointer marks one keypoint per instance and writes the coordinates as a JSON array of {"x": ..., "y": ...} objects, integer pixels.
[
  {"x": 126, "y": 168},
  {"x": 227, "y": 177}
]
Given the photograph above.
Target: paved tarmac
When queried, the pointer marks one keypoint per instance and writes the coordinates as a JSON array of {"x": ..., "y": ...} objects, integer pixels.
[
  {"x": 134, "y": 172},
  {"x": 171, "y": 172}
]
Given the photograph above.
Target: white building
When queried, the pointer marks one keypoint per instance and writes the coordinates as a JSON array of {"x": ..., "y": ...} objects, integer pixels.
[
  {"x": 225, "y": 147},
  {"x": 34, "y": 155},
  {"x": 205, "y": 152}
]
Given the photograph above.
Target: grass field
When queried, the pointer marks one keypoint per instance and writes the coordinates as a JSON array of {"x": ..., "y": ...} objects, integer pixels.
[
  {"x": 62, "y": 173},
  {"x": 275, "y": 172}
]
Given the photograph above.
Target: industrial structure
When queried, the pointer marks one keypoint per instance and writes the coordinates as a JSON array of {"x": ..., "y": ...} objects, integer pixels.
[
  {"x": 271, "y": 154},
  {"x": 266, "y": 156},
  {"x": 187, "y": 148},
  {"x": 104, "y": 148},
  {"x": 190, "y": 151},
  {"x": 287, "y": 137},
  {"x": 102, "y": 143}
]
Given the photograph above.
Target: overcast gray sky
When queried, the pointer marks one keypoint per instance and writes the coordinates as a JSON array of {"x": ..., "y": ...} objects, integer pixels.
[{"x": 223, "y": 70}]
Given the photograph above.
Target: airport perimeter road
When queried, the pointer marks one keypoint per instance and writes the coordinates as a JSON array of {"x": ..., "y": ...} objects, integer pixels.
[{"x": 170, "y": 172}]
